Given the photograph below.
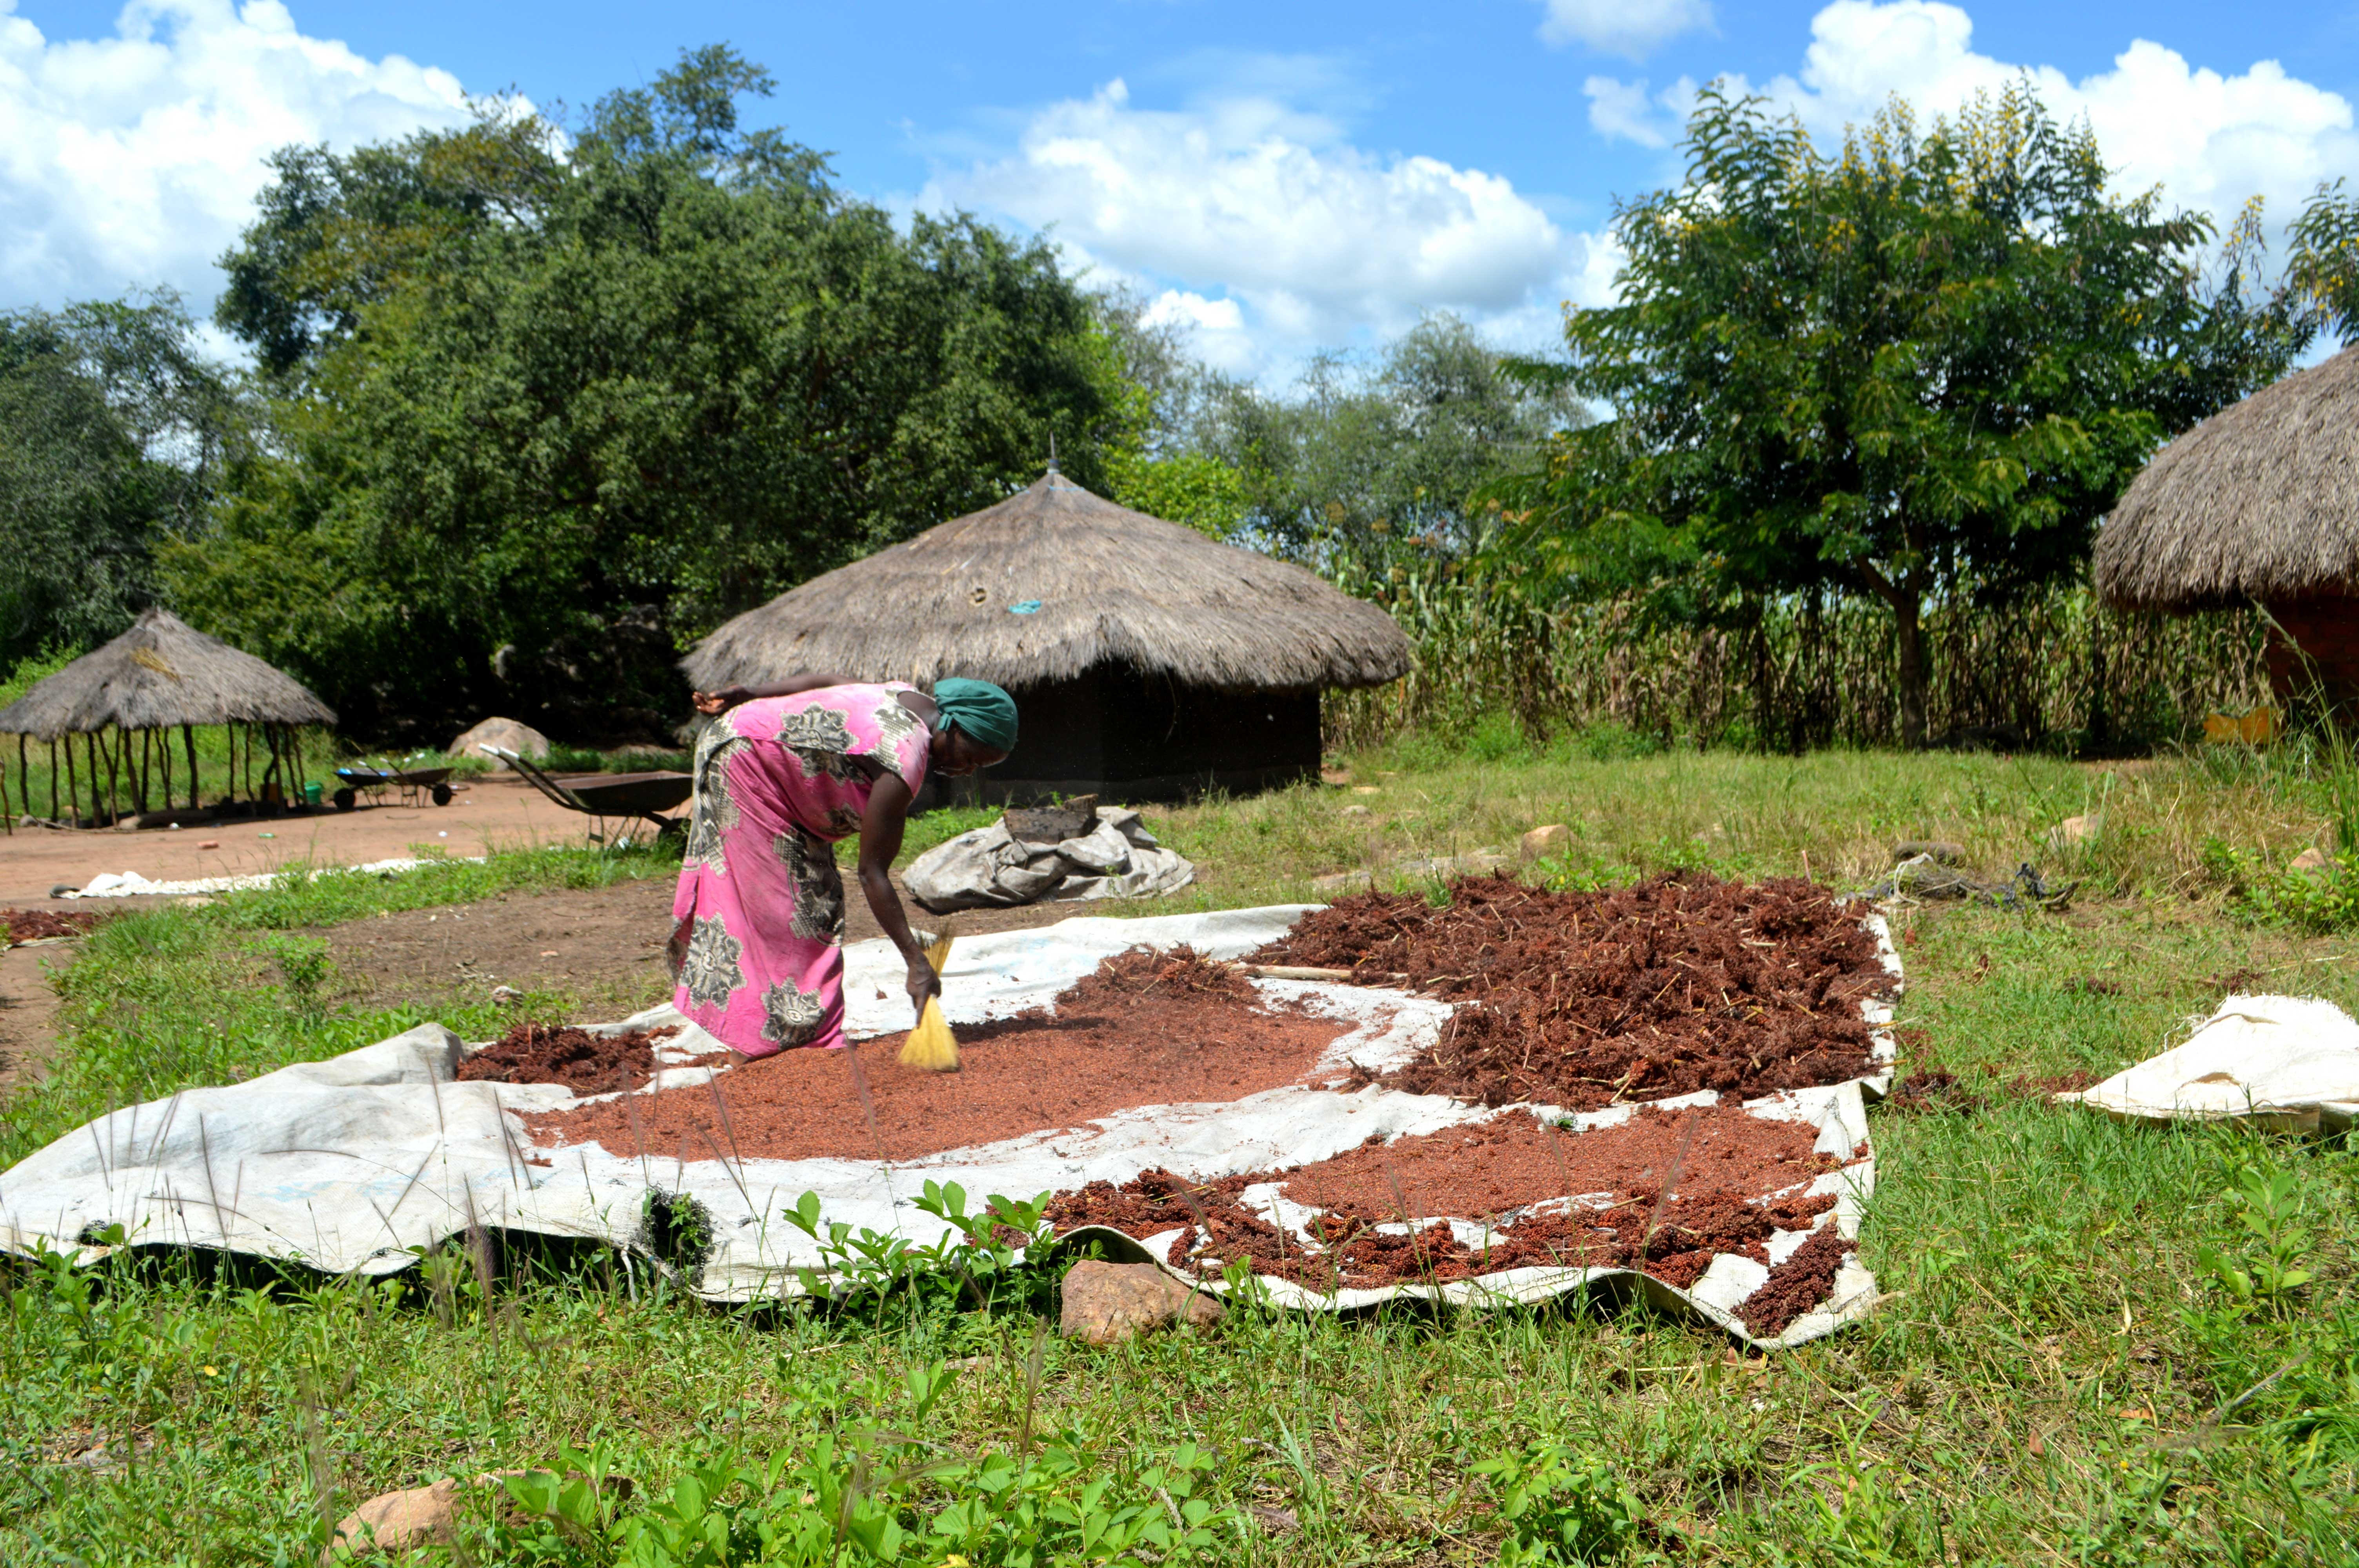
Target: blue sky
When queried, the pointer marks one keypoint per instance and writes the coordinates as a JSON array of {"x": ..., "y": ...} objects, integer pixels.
[{"x": 1276, "y": 177}]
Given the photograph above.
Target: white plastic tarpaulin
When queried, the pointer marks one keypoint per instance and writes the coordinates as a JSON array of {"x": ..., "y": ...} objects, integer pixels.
[
  {"x": 2281, "y": 1061},
  {"x": 354, "y": 1163}
]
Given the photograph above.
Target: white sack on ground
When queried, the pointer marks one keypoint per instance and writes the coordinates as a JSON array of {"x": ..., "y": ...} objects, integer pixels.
[
  {"x": 2281, "y": 1061},
  {"x": 352, "y": 1163},
  {"x": 989, "y": 867}
]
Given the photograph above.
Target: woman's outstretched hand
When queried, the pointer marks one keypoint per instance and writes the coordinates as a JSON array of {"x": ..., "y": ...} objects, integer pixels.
[
  {"x": 923, "y": 984},
  {"x": 722, "y": 701}
]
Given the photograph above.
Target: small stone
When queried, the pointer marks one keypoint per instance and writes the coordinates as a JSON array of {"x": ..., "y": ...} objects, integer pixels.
[
  {"x": 1355, "y": 811},
  {"x": 2073, "y": 830},
  {"x": 1550, "y": 838},
  {"x": 2312, "y": 860},
  {"x": 1107, "y": 1303},
  {"x": 509, "y": 993},
  {"x": 1939, "y": 850},
  {"x": 208, "y": 843},
  {"x": 1367, "y": 789},
  {"x": 394, "y": 1522}
]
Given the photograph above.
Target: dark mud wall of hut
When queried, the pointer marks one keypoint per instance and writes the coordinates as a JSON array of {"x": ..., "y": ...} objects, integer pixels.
[{"x": 1128, "y": 737}]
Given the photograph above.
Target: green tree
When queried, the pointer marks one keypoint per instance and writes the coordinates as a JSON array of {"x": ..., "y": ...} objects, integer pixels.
[
  {"x": 113, "y": 431},
  {"x": 1384, "y": 460},
  {"x": 1928, "y": 363},
  {"x": 543, "y": 421},
  {"x": 2324, "y": 270}
]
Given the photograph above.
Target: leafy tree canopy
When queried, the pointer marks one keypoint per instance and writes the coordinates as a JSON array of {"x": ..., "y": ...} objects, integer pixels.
[
  {"x": 1929, "y": 363},
  {"x": 113, "y": 427},
  {"x": 1380, "y": 461},
  {"x": 2324, "y": 270},
  {"x": 550, "y": 408}
]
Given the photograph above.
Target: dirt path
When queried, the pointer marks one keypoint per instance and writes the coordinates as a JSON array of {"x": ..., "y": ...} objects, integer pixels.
[
  {"x": 28, "y": 1006},
  {"x": 491, "y": 810},
  {"x": 603, "y": 948}
]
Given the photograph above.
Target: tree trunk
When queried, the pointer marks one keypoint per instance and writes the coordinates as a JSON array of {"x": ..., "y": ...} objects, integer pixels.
[{"x": 1908, "y": 627}]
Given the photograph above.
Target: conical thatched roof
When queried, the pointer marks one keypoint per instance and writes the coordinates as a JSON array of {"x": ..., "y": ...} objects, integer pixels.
[
  {"x": 161, "y": 672},
  {"x": 2261, "y": 501},
  {"x": 1110, "y": 584}
]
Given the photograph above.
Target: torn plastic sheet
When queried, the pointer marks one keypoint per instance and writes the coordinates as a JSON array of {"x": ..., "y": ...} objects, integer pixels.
[
  {"x": 2284, "y": 1062},
  {"x": 355, "y": 1164}
]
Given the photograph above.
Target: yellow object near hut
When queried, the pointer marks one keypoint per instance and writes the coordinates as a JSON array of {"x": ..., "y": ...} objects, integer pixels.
[{"x": 2257, "y": 727}]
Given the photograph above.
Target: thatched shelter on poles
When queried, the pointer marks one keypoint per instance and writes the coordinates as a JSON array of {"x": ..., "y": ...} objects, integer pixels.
[
  {"x": 124, "y": 701},
  {"x": 2257, "y": 504},
  {"x": 1146, "y": 659}
]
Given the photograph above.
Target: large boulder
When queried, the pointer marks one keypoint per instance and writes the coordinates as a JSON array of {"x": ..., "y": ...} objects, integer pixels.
[{"x": 507, "y": 733}]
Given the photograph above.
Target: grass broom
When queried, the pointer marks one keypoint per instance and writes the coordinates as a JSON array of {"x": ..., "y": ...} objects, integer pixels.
[{"x": 930, "y": 1047}]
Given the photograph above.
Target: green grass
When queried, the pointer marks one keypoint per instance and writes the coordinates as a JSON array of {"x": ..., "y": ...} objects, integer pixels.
[{"x": 2063, "y": 1373}]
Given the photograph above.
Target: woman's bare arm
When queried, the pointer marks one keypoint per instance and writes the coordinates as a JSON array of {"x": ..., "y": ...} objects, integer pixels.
[
  {"x": 722, "y": 701},
  {"x": 880, "y": 840}
]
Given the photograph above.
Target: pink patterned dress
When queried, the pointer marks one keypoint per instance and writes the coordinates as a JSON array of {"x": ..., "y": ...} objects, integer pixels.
[{"x": 758, "y": 928}]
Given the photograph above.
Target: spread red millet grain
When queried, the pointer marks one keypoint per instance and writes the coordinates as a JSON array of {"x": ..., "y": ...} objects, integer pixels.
[
  {"x": 1684, "y": 982},
  {"x": 1144, "y": 1028},
  {"x": 585, "y": 1062},
  {"x": 1714, "y": 1165}
]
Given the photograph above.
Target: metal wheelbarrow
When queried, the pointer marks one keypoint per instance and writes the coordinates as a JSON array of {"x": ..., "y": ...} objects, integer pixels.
[
  {"x": 632, "y": 796},
  {"x": 415, "y": 786}
]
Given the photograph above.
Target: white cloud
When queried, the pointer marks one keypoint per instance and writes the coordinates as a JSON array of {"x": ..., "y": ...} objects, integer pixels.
[
  {"x": 1626, "y": 110},
  {"x": 1178, "y": 307},
  {"x": 1215, "y": 329},
  {"x": 1312, "y": 238},
  {"x": 1632, "y": 28},
  {"x": 2210, "y": 140},
  {"x": 134, "y": 159}
]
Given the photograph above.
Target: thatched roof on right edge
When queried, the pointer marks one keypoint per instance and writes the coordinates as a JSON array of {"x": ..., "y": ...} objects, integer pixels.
[
  {"x": 2261, "y": 501},
  {"x": 1048, "y": 583}
]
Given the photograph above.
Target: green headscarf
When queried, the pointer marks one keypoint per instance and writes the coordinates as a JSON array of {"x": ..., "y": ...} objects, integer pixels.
[{"x": 985, "y": 714}]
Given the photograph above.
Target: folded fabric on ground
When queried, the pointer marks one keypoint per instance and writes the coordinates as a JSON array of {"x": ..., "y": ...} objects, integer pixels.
[
  {"x": 357, "y": 1163},
  {"x": 2281, "y": 1061},
  {"x": 1117, "y": 857}
]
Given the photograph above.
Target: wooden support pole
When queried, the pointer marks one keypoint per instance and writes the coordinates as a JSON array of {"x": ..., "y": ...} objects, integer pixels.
[
  {"x": 189, "y": 744},
  {"x": 139, "y": 779},
  {"x": 117, "y": 764},
  {"x": 53, "y": 774},
  {"x": 164, "y": 763},
  {"x": 24, "y": 778},
  {"x": 73, "y": 785}
]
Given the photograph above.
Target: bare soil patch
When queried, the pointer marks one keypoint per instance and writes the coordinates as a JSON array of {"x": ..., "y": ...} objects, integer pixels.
[
  {"x": 1680, "y": 983},
  {"x": 28, "y": 1007},
  {"x": 1145, "y": 1028},
  {"x": 562, "y": 1053},
  {"x": 605, "y": 946},
  {"x": 1711, "y": 1161}
]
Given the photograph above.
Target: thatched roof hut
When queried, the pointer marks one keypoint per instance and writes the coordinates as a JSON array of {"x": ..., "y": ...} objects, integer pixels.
[
  {"x": 2258, "y": 503},
  {"x": 1145, "y": 657},
  {"x": 159, "y": 676},
  {"x": 160, "y": 673}
]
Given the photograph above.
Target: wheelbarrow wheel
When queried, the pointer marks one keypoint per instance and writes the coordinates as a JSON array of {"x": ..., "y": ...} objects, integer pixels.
[
  {"x": 441, "y": 794},
  {"x": 345, "y": 799}
]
